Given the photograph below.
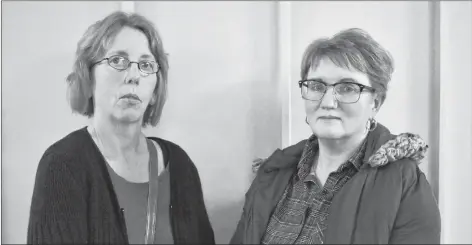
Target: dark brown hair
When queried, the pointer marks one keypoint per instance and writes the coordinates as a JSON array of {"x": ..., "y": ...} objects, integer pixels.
[{"x": 352, "y": 49}]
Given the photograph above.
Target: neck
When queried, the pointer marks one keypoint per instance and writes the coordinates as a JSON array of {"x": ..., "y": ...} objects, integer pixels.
[
  {"x": 334, "y": 152},
  {"x": 116, "y": 138}
]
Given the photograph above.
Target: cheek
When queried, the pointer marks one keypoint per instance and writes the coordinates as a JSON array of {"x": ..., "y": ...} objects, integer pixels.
[
  {"x": 108, "y": 79},
  {"x": 106, "y": 84},
  {"x": 147, "y": 85},
  {"x": 351, "y": 110},
  {"x": 356, "y": 114},
  {"x": 311, "y": 107}
]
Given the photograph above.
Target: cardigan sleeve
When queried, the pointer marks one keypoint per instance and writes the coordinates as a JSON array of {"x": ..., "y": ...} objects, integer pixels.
[
  {"x": 418, "y": 219},
  {"x": 58, "y": 207}
]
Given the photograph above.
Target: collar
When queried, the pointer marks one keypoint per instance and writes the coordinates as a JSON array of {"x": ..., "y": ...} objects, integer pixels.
[
  {"x": 305, "y": 165},
  {"x": 381, "y": 148}
]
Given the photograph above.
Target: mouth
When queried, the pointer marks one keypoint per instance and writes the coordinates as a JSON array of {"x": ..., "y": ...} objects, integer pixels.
[
  {"x": 132, "y": 97},
  {"x": 329, "y": 118}
]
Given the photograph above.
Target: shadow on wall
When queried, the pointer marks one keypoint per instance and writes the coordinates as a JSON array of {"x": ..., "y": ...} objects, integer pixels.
[{"x": 224, "y": 219}]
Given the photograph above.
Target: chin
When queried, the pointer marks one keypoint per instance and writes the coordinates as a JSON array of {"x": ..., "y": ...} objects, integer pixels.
[
  {"x": 128, "y": 117},
  {"x": 329, "y": 132}
]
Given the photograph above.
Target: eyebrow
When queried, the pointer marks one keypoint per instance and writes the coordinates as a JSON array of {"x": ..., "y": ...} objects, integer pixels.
[
  {"x": 146, "y": 56},
  {"x": 344, "y": 79},
  {"x": 124, "y": 53}
]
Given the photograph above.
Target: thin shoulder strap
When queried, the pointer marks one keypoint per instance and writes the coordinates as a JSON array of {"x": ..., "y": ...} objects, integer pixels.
[
  {"x": 154, "y": 154},
  {"x": 163, "y": 149},
  {"x": 152, "y": 195}
]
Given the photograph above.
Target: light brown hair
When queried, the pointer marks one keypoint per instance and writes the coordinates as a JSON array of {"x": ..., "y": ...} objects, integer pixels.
[{"x": 93, "y": 46}]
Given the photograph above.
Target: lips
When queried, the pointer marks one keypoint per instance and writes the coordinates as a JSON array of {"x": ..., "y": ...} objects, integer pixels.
[
  {"x": 329, "y": 117},
  {"x": 131, "y": 97}
]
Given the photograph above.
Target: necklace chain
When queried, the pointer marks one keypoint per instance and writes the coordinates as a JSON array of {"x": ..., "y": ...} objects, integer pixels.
[{"x": 102, "y": 147}]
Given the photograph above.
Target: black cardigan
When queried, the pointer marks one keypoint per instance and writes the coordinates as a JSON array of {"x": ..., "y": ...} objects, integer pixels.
[{"x": 74, "y": 200}]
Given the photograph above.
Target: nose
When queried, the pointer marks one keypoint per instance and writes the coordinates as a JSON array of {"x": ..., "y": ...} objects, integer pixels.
[
  {"x": 133, "y": 74},
  {"x": 329, "y": 99}
]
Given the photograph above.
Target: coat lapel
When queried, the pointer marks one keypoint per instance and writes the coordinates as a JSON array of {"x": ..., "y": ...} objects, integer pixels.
[{"x": 344, "y": 209}]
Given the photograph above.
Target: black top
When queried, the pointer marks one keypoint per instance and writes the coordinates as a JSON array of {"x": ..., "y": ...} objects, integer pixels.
[{"x": 74, "y": 202}]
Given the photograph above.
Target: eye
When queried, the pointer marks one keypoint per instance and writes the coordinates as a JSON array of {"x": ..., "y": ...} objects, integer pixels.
[
  {"x": 316, "y": 86},
  {"x": 346, "y": 88},
  {"x": 117, "y": 60},
  {"x": 147, "y": 66}
]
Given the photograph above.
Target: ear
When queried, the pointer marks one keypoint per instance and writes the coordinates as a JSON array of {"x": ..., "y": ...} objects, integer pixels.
[{"x": 377, "y": 103}]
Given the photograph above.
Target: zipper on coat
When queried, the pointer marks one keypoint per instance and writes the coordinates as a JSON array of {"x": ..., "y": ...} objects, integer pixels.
[{"x": 123, "y": 224}]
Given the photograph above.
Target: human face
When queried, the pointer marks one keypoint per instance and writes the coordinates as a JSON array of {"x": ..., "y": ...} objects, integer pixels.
[
  {"x": 124, "y": 95},
  {"x": 330, "y": 119}
]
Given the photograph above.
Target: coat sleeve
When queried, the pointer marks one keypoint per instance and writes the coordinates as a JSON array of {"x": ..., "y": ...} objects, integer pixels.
[
  {"x": 58, "y": 206},
  {"x": 418, "y": 219},
  {"x": 237, "y": 237},
  {"x": 240, "y": 232}
]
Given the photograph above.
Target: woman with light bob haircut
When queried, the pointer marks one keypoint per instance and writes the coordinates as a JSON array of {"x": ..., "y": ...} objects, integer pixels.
[{"x": 108, "y": 183}]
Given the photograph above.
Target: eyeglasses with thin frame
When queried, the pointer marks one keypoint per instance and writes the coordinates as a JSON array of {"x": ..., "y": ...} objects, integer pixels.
[
  {"x": 344, "y": 92},
  {"x": 122, "y": 63}
]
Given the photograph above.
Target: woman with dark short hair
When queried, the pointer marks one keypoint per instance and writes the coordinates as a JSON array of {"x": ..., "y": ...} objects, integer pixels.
[
  {"x": 107, "y": 183},
  {"x": 351, "y": 181}
]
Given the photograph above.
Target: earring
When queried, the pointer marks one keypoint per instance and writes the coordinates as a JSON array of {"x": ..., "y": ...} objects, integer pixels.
[{"x": 371, "y": 124}]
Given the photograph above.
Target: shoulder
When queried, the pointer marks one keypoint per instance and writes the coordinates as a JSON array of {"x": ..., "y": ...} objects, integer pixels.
[
  {"x": 405, "y": 171},
  {"x": 68, "y": 152},
  {"x": 71, "y": 146},
  {"x": 396, "y": 155},
  {"x": 168, "y": 145},
  {"x": 173, "y": 152},
  {"x": 279, "y": 159},
  {"x": 181, "y": 166},
  {"x": 403, "y": 167}
]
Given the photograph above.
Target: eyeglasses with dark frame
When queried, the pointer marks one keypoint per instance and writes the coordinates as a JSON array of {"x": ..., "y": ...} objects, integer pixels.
[
  {"x": 122, "y": 63},
  {"x": 344, "y": 92}
]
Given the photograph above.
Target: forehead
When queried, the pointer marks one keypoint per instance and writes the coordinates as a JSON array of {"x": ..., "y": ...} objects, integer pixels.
[
  {"x": 130, "y": 42},
  {"x": 332, "y": 73}
]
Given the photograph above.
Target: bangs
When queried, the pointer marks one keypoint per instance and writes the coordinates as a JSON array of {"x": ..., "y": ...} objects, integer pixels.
[{"x": 351, "y": 61}]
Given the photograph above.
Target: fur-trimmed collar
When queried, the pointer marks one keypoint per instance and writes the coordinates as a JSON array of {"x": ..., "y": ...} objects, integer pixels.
[{"x": 382, "y": 148}]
